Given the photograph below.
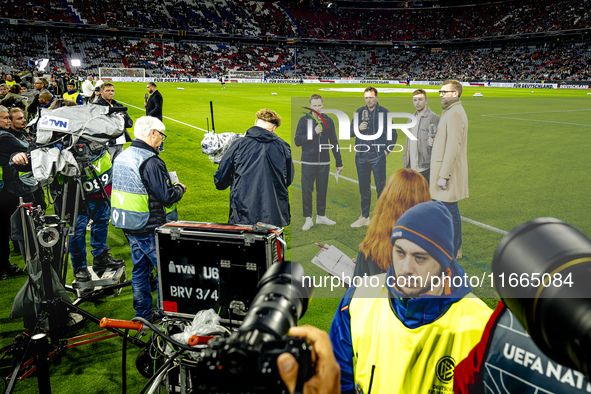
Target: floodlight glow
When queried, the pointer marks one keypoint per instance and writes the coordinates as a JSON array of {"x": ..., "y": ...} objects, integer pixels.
[{"x": 76, "y": 62}]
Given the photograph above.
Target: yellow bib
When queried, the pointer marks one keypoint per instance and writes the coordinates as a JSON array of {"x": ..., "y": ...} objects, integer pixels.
[{"x": 392, "y": 358}]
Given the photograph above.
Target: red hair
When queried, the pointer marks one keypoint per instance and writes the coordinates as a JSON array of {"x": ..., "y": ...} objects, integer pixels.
[{"x": 405, "y": 189}]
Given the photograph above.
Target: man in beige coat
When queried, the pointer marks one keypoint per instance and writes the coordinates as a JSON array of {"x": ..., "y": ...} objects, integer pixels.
[{"x": 449, "y": 159}]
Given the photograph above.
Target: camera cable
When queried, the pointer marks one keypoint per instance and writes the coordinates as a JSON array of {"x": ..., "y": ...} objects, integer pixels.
[{"x": 160, "y": 370}]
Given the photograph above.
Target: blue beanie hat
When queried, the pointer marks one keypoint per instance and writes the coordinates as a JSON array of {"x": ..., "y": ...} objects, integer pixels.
[{"x": 430, "y": 226}]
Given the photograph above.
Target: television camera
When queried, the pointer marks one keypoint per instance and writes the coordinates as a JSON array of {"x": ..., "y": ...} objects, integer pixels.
[
  {"x": 66, "y": 139},
  {"x": 548, "y": 263},
  {"x": 242, "y": 361}
]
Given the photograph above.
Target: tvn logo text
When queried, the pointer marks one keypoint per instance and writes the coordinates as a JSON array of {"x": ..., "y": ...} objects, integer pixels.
[{"x": 54, "y": 123}]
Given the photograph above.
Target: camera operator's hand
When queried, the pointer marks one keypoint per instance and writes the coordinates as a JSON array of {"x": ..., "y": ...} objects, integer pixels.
[
  {"x": 183, "y": 186},
  {"x": 327, "y": 378},
  {"x": 20, "y": 159},
  {"x": 363, "y": 126}
]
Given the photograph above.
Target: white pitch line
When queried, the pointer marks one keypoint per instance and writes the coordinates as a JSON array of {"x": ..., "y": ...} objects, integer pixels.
[
  {"x": 174, "y": 120},
  {"x": 537, "y": 120},
  {"x": 486, "y": 226},
  {"x": 474, "y": 222}
]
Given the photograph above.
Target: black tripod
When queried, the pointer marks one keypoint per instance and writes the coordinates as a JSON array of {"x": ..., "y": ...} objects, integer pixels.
[
  {"x": 46, "y": 249},
  {"x": 80, "y": 153}
]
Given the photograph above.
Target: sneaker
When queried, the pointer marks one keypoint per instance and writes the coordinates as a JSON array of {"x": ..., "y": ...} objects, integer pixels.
[
  {"x": 156, "y": 318},
  {"x": 105, "y": 260},
  {"x": 309, "y": 223},
  {"x": 82, "y": 275},
  {"x": 362, "y": 221},
  {"x": 324, "y": 220}
]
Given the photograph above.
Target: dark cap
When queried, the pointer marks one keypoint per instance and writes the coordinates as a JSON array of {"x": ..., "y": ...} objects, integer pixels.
[
  {"x": 97, "y": 89},
  {"x": 430, "y": 226}
]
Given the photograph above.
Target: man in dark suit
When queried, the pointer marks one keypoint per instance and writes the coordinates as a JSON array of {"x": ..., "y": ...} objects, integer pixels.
[{"x": 154, "y": 103}]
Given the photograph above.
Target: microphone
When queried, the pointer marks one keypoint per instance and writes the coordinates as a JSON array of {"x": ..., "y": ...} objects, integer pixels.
[
  {"x": 365, "y": 116},
  {"x": 432, "y": 131},
  {"x": 146, "y": 96}
]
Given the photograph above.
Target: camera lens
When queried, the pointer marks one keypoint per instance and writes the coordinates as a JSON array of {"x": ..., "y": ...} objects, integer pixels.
[
  {"x": 542, "y": 271},
  {"x": 281, "y": 300}
]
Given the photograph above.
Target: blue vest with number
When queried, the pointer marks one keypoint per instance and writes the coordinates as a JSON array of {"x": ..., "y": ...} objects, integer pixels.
[{"x": 129, "y": 199}]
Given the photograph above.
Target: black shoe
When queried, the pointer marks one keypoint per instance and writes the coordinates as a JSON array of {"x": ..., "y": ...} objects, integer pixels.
[
  {"x": 105, "y": 260},
  {"x": 156, "y": 318},
  {"x": 4, "y": 275},
  {"x": 14, "y": 269},
  {"x": 82, "y": 275}
]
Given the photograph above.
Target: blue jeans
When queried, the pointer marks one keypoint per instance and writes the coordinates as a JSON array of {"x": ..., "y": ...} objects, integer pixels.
[
  {"x": 452, "y": 207},
  {"x": 143, "y": 255},
  {"x": 98, "y": 233}
]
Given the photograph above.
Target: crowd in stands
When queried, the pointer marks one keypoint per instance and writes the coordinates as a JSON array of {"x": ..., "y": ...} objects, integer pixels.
[
  {"x": 485, "y": 20},
  {"x": 166, "y": 57},
  {"x": 559, "y": 61},
  {"x": 294, "y": 20}
]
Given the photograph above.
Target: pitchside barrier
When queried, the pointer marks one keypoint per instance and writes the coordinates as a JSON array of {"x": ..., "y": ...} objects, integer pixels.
[{"x": 522, "y": 84}]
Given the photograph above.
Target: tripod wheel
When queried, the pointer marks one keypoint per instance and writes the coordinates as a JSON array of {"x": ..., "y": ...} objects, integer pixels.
[{"x": 145, "y": 364}]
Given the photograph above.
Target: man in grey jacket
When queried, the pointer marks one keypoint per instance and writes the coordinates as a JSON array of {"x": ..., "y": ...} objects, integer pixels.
[{"x": 417, "y": 154}]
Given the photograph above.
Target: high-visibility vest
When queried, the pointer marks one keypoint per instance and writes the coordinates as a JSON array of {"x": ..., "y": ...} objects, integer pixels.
[
  {"x": 71, "y": 96},
  {"x": 129, "y": 201},
  {"x": 392, "y": 358}
]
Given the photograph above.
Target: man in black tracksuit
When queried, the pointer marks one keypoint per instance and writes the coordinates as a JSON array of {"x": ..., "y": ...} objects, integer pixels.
[
  {"x": 371, "y": 154},
  {"x": 258, "y": 169},
  {"x": 316, "y": 159}
]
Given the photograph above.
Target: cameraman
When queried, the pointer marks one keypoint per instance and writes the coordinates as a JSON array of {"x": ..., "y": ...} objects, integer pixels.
[
  {"x": 327, "y": 374},
  {"x": 107, "y": 99},
  {"x": 97, "y": 208},
  {"x": 142, "y": 191}
]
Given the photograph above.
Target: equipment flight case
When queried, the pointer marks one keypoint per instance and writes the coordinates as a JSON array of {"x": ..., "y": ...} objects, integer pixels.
[{"x": 209, "y": 265}]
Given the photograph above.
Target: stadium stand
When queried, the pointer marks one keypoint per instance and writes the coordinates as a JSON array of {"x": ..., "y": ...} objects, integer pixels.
[{"x": 220, "y": 35}]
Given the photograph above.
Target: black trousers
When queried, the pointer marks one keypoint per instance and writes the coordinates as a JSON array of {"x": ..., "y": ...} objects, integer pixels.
[
  {"x": 368, "y": 162},
  {"x": 8, "y": 204},
  {"x": 310, "y": 174},
  {"x": 426, "y": 174}
]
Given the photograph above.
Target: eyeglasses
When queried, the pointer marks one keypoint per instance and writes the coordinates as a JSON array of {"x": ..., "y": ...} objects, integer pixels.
[
  {"x": 164, "y": 136},
  {"x": 38, "y": 83},
  {"x": 446, "y": 91}
]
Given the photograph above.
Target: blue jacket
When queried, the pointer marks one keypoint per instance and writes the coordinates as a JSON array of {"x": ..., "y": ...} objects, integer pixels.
[
  {"x": 258, "y": 169},
  {"x": 311, "y": 149},
  {"x": 373, "y": 128}
]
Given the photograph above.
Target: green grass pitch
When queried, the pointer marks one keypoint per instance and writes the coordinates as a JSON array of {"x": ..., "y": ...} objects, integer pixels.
[{"x": 528, "y": 154}]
